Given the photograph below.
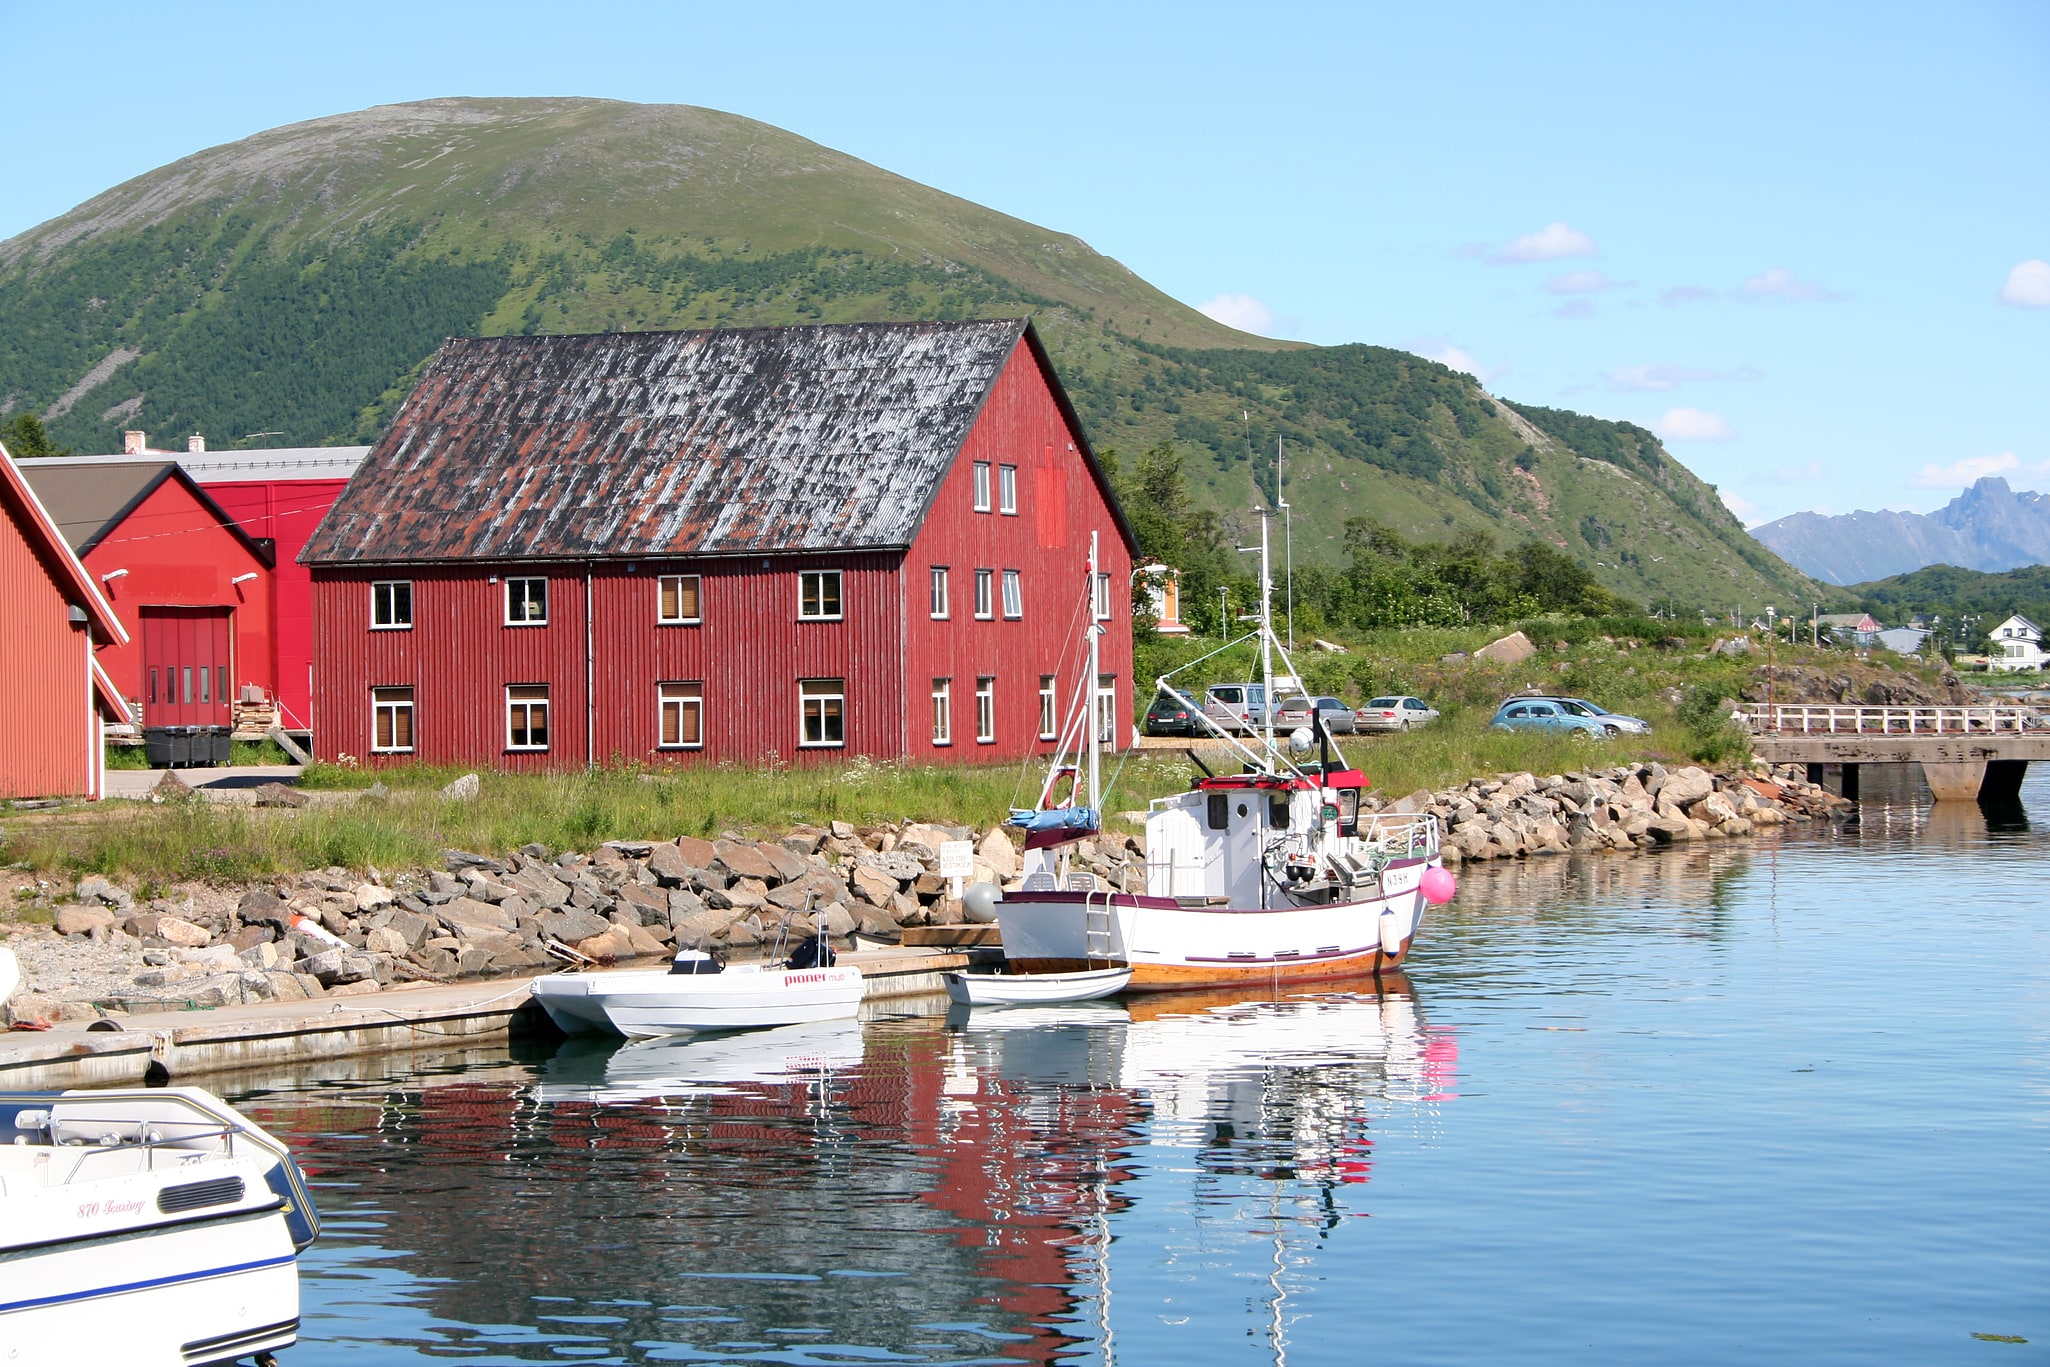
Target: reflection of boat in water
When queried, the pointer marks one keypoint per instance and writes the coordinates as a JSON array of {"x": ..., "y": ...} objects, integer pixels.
[
  {"x": 146, "y": 1226},
  {"x": 675, "y": 1066}
]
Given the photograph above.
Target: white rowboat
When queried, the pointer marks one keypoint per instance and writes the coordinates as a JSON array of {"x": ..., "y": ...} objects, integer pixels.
[{"x": 1036, "y": 989}]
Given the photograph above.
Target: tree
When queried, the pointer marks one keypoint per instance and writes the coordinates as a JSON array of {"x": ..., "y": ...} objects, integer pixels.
[{"x": 25, "y": 439}]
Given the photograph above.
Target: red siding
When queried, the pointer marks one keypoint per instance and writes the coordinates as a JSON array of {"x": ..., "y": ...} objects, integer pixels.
[
  {"x": 1047, "y": 541},
  {"x": 47, "y": 730},
  {"x": 177, "y": 554},
  {"x": 286, "y": 511},
  {"x": 749, "y": 652}
]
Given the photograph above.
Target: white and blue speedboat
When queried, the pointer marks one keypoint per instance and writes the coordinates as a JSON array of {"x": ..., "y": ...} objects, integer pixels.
[{"x": 146, "y": 1226}]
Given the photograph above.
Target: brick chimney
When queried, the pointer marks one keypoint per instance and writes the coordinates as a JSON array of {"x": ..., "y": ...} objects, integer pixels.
[
  {"x": 195, "y": 445},
  {"x": 134, "y": 443}
]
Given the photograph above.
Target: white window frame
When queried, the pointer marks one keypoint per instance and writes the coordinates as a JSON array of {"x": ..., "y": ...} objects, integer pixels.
[
  {"x": 1107, "y": 709},
  {"x": 825, "y": 692},
  {"x": 981, "y": 486},
  {"x": 1014, "y": 595},
  {"x": 941, "y": 606},
  {"x": 811, "y": 585},
  {"x": 1101, "y": 605},
  {"x": 697, "y": 593},
  {"x": 525, "y": 602},
  {"x": 1007, "y": 490},
  {"x": 525, "y": 708},
  {"x": 943, "y": 711},
  {"x": 985, "y": 594},
  {"x": 380, "y": 705},
  {"x": 986, "y": 710},
  {"x": 680, "y": 694},
  {"x": 383, "y": 589},
  {"x": 1049, "y": 709}
]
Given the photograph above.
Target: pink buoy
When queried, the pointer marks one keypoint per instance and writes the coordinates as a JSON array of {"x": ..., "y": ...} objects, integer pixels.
[{"x": 1438, "y": 886}]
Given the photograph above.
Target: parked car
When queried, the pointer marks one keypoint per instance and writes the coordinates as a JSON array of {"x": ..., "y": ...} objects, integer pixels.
[
  {"x": 1335, "y": 713},
  {"x": 1174, "y": 716},
  {"x": 1615, "y": 722},
  {"x": 1546, "y": 714},
  {"x": 1394, "y": 714},
  {"x": 1236, "y": 706}
]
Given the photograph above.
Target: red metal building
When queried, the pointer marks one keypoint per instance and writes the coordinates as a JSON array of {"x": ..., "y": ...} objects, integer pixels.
[
  {"x": 277, "y": 495},
  {"x": 849, "y": 539},
  {"x": 54, "y": 698},
  {"x": 195, "y": 589}
]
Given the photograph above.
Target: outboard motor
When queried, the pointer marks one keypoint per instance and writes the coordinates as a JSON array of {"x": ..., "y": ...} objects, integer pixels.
[
  {"x": 816, "y": 952},
  {"x": 694, "y": 961}
]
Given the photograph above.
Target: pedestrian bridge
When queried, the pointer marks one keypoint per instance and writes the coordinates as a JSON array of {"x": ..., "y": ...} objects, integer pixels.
[{"x": 1966, "y": 752}]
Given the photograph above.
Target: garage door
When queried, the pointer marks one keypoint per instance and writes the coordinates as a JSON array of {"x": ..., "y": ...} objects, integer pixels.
[{"x": 186, "y": 665}]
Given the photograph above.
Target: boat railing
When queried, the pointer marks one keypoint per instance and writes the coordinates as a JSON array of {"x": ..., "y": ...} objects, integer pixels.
[
  {"x": 1400, "y": 834},
  {"x": 70, "y": 1130}
]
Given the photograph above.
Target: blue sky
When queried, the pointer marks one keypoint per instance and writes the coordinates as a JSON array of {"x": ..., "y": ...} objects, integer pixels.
[{"x": 1807, "y": 243}]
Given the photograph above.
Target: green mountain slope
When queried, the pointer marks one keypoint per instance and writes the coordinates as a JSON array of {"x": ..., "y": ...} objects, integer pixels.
[
  {"x": 285, "y": 288},
  {"x": 1970, "y": 602}
]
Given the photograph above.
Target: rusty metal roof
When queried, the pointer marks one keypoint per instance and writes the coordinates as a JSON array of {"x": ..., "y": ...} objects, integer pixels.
[{"x": 827, "y": 437}]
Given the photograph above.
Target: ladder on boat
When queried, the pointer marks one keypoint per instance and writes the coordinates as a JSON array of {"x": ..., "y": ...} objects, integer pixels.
[{"x": 1096, "y": 927}]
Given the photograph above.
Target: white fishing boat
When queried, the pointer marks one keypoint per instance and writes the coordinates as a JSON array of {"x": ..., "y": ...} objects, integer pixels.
[
  {"x": 1036, "y": 989},
  {"x": 1270, "y": 874},
  {"x": 575, "y": 1002},
  {"x": 148, "y": 1227}
]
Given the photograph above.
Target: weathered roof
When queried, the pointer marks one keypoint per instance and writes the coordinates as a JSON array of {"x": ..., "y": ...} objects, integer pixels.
[
  {"x": 828, "y": 437},
  {"x": 88, "y": 498}
]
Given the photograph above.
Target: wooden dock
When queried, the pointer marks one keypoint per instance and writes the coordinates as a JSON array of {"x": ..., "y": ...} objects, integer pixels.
[
  {"x": 187, "y": 1043},
  {"x": 1966, "y": 753}
]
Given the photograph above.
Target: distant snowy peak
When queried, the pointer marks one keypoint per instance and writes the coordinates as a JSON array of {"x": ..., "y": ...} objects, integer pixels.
[{"x": 1988, "y": 527}]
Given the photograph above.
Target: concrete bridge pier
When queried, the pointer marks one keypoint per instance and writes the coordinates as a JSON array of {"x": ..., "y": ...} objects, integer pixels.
[{"x": 1958, "y": 766}]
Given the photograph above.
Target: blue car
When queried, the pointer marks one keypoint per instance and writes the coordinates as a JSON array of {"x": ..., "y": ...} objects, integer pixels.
[{"x": 1546, "y": 714}]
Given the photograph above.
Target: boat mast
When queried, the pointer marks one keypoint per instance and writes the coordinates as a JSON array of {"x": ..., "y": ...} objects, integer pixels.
[
  {"x": 1095, "y": 698},
  {"x": 1266, "y": 639}
]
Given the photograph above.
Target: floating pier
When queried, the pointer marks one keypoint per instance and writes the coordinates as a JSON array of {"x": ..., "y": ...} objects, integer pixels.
[{"x": 180, "y": 1044}]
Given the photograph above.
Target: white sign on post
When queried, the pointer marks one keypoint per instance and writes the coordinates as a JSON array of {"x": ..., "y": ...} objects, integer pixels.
[{"x": 957, "y": 861}]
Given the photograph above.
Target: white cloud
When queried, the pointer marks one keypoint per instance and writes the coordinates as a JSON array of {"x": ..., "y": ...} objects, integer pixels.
[
  {"x": 1575, "y": 308},
  {"x": 1743, "y": 507},
  {"x": 1969, "y": 471},
  {"x": 1553, "y": 242},
  {"x": 2028, "y": 286},
  {"x": 1686, "y": 294},
  {"x": 1691, "y": 424},
  {"x": 1637, "y": 379},
  {"x": 1441, "y": 350},
  {"x": 1783, "y": 285},
  {"x": 1241, "y": 311}
]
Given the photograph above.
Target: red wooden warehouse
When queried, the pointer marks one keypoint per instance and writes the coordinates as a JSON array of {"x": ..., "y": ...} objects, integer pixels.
[
  {"x": 848, "y": 539},
  {"x": 194, "y": 589},
  {"x": 277, "y": 496},
  {"x": 55, "y": 700}
]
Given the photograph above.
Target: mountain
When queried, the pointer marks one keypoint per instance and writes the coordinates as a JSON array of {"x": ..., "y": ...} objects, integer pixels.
[
  {"x": 1988, "y": 527},
  {"x": 284, "y": 289}
]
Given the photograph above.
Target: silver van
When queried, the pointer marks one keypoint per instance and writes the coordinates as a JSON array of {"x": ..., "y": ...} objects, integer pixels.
[{"x": 1236, "y": 706}]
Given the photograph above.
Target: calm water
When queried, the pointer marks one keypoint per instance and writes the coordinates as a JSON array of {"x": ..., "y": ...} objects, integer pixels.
[{"x": 1767, "y": 1102}]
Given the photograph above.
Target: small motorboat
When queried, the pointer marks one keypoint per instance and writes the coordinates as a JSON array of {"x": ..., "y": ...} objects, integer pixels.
[
  {"x": 148, "y": 1226},
  {"x": 1036, "y": 989},
  {"x": 742, "y": 997}
]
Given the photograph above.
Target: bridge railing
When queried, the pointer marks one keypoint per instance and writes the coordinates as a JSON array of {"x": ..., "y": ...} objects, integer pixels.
[{"x": 1929, "y": 720}]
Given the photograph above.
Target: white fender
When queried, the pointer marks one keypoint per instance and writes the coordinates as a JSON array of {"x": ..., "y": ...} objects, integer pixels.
[{"x": 1392, "y": 928}]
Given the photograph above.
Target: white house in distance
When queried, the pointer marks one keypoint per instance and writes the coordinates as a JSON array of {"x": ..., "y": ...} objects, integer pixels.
[
  {"x": 1164, "y": 589},
  {"x": 2017, "y": 644}
]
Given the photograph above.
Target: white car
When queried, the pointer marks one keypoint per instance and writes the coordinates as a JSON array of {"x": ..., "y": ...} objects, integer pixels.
[{"x": 1393, "y": 714}]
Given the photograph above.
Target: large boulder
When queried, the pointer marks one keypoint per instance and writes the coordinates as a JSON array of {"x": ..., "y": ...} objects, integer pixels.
[
  {"x": 83, "y": 920},
  {"x": 699, "y": 854},
  {"x": 1512, "y": 649},
  {"x": 1685, "y": 786},
  {"x": 334, "y": 967},
  {"x": 669, "y": 866},
  {"x": 996, "y": 849},
  {"x": 738, "y": 861},
  {"x": 469, "y": 913},
  {"x": 94, "y": 888}
]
